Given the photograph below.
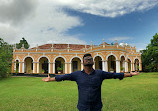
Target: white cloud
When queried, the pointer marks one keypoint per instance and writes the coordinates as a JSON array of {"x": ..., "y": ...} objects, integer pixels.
[
  {"x": 120, "y": 38},
  {"x": 43, "y": 23},
  {"x": 107, "y": 8}
]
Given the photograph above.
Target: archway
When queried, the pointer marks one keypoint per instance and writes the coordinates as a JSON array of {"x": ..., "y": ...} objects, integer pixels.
[
  {"x": 28, "y": 67},
  {"x": 129, "y": 65},
  {"x": 17, "y": 66},
  {"x": 43, "y": 65},
  {"x": 136, "y": 65},
  {"x": 75, "y": 64},
  {"x": 122, "y": 64},
  {"x": 59, "y": 65},
  {"x": 98, "y": 62},
  {"x": 111, "y": 64}
]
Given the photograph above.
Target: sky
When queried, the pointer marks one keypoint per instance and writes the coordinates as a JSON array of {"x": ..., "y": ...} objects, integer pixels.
[{"x": 134, "y": 22}]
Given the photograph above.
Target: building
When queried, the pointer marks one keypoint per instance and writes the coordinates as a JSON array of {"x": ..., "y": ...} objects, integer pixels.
[{"x": 67, "y": 58}]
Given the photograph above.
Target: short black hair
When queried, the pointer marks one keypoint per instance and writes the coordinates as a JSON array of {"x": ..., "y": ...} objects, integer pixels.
[{"x": 87, "y": 55}]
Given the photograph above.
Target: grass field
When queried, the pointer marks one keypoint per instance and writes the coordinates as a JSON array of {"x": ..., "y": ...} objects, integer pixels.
[{"x": 139, "y": 93}]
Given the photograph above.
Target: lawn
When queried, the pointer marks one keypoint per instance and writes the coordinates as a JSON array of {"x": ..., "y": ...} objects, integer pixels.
[{"x": 139, "y": 93}]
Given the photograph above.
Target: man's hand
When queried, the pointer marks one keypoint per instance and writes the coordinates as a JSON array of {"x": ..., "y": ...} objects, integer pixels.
[
  {"x": 131, "y": 74},
  {"x": 46, "y": 79},
  {"x": 134, "y": 73}
]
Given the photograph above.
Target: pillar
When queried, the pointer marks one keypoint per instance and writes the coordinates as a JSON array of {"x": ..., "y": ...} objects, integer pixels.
[
  {"x": 103, "y": 66},
  {"x": 132, "y": 64},
  {"x": 14, "y": 67},
  {"x": 126, "y": 66},
  {"x": 65, "y": 67},
  {"x": 23, "y": 67},
  {"x": 81, "y": 65},
  {"x": 53, "y": 67},
  {"x": 94, "y": 65},
  {"x": 37, "y": 67},
  {"x": 34, "y": 63},
  {"x": 70, "y": 67},
  {"x": 106, "y": 65},
  {"x": 117, "y": 66},
  {"x": 49, "y": 68}
]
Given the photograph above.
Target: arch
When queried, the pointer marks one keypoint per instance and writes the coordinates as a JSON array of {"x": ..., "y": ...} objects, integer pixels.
[
  {"x": 76, "y": 57},
  {"x": 123, "y": 56},
  {"x": 43, "y": 64},
  {"x": 28, "y": 65},
  {"x": 111, "y": 63},
  {"x": 17, "y": 66},
  {"x": 43, "y": 56},
  {"x": 129, "y": 59},
  {"x": 136, "y": 64},
  {"x": 99, "y": 56},
  {"x": 17, "y": 59},
  {"x": 60, "y": 66},
  {"x": 75, "y": 64},
  {"x": 129, "y": 64},
  {"x": 61, "y": 57},
  {"x": 26, "y": 57},
  {"x": 122, "y": 63},
  {"x": 135, "y": 59},
  {"x": 112, "y": 55},
  {"x": 98, "y": 62}
]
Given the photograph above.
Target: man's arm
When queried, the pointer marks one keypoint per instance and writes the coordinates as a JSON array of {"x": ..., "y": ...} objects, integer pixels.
[
  {"x": 109, "y": 75},
  {"x": 131, "y": 74},
  {"x": 60, "y": 77},
  {"x": 48, "y": 79}
]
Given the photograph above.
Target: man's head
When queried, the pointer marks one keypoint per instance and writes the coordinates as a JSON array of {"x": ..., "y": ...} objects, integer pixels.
[{"x": 87, "y": 60}]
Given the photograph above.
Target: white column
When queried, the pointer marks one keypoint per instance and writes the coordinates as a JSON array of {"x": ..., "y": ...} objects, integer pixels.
[
  {"x": 23, "y": 67},
  {"x": 126, "y": 66},
  {"x": 20, "y": 64},
  {"x": 34, "y": 67},
  {"x": 53, "y": 67},
  {"x": 49, "y": 67},
  {"x": 82, "y": 66},
  {"x": 117, "y": 66},
  {"x": 70, "y": 67},
  {"x": 131, "y": 66},
  {"x": 103, "y": 65},
  {"x": 15, "y": 66},
  {"x": 37, "y": 67},
  {"x": 94, "y": 65},
  {"x": 106, "y": 65},
  {"x": 65, "y": 68}
]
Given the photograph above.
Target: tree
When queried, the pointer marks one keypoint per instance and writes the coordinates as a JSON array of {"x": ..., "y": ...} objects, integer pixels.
[
  {"x": 150, "y": 56},
  {"x": 23, "y": 41},
  {"x": 6, "y": 56}
]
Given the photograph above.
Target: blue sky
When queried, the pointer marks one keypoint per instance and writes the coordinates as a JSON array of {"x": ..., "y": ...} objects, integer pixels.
[
  {"x": 136, "y": 28},
  {"x": 79, "y": 22}
]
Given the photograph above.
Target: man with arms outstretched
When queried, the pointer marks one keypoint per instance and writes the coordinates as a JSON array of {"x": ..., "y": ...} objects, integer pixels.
[{"x": 89, "y": 83}]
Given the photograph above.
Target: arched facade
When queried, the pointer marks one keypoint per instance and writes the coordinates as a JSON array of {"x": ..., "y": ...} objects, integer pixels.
[{"x": 67, "y": 58}]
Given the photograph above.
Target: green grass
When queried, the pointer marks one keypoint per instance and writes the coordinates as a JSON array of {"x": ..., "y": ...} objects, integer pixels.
[{"x": 139, "y": 93}]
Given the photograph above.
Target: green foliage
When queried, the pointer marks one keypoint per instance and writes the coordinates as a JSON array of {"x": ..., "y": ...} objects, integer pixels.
[
  {"x": 112, "y": 43},
  {"x": 59, "y": 69},
  {"x": 6, "y": 55},
  {"x": 23, "y": 41},
  {"x": 150, "y": 56}
]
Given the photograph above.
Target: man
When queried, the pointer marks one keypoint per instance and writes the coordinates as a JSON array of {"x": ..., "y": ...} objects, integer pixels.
[{"x": 89, "y": 84}]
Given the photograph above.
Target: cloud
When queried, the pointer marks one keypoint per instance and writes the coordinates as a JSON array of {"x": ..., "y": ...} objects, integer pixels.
[
  {"x": 120, "y": 38},
  {"x": 15, "y": 11},
  {"x": 38, "y": 23},
  {"x": 107, "y": 8}
]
